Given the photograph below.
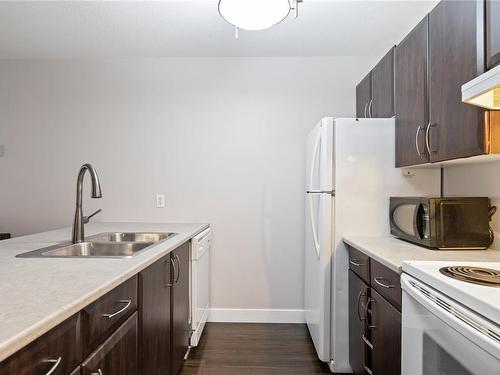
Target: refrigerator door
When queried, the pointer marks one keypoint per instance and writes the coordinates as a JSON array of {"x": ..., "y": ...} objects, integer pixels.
[{"x": 318, "y": 234}]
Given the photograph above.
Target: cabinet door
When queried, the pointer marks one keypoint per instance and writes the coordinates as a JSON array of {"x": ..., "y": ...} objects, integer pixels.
[
  {"x": 386, "y": 336},
  {"x": 154, "y": 317},
  {"x": 492, "y": 33},
  {"x": 363, "y": 96},
  {"x": 456, "y": 129},
  {"x": 118, "y": 354},
  {"x": 411, "y": 99},
  {"x": 382, "y": 105},
  {"x": 180, "y": 307},
  {"x": 358, "y": 350}
]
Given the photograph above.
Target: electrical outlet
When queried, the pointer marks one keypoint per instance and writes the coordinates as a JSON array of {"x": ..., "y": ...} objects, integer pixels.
[{"x": 160, "y": 200}]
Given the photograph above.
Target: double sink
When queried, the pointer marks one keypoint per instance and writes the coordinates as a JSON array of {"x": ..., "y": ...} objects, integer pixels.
[{"x": 102, "y": 245}]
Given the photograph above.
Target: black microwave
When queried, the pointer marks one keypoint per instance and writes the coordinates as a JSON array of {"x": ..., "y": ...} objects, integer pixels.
[{"x": 442, "y": 223}]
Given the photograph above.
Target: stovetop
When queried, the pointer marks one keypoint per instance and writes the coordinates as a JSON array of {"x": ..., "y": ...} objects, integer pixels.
[{"x": 481, "y": 296}]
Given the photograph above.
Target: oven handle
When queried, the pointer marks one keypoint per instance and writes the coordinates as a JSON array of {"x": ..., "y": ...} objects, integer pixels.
[{"x": 469, "y": 324}]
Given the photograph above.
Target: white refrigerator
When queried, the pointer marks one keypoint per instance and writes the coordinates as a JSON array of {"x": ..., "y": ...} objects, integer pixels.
[{"x": 350, "y": 175}]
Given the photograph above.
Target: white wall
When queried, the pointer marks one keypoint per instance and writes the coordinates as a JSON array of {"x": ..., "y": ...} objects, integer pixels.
[
  {"x": 222, "y": 138},
  {"x": 477, "y": 180}
]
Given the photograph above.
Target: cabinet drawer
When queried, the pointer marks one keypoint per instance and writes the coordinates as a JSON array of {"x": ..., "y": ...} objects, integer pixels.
[
  {"x": 118, "y": 354},
  {"x": 106, "y": 314},
  {"x": 58, "y": 349},
  {"x": 386, "y": 282},
  {"x": 359, "y": 263}
]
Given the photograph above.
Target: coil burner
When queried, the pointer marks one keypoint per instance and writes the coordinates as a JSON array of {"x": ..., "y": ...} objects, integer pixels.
[{"x": 475, "y": 275}]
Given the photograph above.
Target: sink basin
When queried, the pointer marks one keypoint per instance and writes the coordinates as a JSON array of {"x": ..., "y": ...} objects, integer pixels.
[
  {"x": 98, "y": 249},
  {"x": 130, "y": 237},
  {"x": 102, "y": 245}
]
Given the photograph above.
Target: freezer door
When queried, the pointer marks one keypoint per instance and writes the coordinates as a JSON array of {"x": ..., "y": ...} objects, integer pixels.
[{"x": 318, "y": 235}]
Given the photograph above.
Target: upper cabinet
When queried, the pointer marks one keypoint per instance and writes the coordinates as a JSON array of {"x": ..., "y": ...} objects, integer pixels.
[
  {"x": 364, "y": 96},
  {"x": 375, "y": 93},
  {"x": 382, "y": 104},
  {"x": 455, "y": 129},
  {"x": 411, "y": 102},
  {"x": 492, "y": 33},
  {"x": 442, "y": 53}
]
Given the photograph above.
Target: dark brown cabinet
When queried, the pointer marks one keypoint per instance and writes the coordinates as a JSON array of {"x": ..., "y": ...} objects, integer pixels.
[
  {"x": 154, "y": 316},
  {"x": 492, "y": 33},
  {"x": 411, "y": 101},
  {"x": 59, "y": 349},
  {"x": 358, "y": 350},
  {"x": 164, "y": 313},
  {"x": 364, "y": 96},
  {"x": 118, "y": 354},
  {"x": 455, "y": 129},
  {"x": 382, "y": 101},
  {"x": 374, "y": 319},
  {"x": 385, "y": 336},
  {"x": 180, "y": 307}
]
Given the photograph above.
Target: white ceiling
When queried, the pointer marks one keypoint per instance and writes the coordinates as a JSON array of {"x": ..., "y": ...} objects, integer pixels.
[{"x": 138, "y": 29}]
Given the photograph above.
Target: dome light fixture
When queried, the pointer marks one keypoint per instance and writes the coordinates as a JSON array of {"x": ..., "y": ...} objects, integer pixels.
[{"x": 256, "y": 14}]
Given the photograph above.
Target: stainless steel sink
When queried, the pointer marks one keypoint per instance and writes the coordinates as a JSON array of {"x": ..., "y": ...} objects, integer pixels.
[
  {"x": 102, "y": 245},
  {"x": 130, "y": 237}
]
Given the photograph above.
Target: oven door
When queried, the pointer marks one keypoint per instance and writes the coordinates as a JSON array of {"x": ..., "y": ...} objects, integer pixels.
[{"x": 441, "y": 337}]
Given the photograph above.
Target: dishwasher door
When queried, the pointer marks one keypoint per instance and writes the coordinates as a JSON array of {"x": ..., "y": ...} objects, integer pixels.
[{"x": 200, "y": 283}]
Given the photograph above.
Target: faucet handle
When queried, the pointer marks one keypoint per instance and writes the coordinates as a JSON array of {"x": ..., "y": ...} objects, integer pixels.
[{"x": 86, "y": 219}]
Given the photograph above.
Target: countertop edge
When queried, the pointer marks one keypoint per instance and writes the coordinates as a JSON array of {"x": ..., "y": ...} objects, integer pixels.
[
  {"x": 26, "y": 337},
  {"x": 392, "y": 266}
]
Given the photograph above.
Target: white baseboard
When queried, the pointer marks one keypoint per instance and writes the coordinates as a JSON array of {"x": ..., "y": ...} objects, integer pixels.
[{"x": 256, "y": 316}]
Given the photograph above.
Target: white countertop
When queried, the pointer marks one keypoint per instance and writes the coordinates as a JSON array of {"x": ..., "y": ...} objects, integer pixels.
[
  {"x": 392, "y": 252},
  {"x": 37, "y": 294}
]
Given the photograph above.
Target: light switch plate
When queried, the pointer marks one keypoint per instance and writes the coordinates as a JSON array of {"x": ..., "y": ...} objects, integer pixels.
[{"x": 160, "y": 200}]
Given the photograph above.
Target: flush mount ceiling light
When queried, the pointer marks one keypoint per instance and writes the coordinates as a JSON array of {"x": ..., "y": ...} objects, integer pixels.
[{"x": 256, "y": 14}]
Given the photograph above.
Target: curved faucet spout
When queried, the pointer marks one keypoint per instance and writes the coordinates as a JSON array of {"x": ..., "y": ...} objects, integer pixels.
[{"x": 78, "y": 231}]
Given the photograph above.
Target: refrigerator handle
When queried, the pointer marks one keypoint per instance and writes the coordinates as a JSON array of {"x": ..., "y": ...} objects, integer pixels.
[{"x": 311, "y": 180}]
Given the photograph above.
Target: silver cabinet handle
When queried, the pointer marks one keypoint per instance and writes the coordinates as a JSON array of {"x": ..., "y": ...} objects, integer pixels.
[
  {"x": 369, "y": 371},
  {"x": 417, "y": 133},
  {"x": 172, "y": 262},
  {"x": 361, "y": 294},
  {"x": 370, "y": 106},
  {"x": 99, "y": 372},
  {"x": 367, "y": 306},
  {"x": 355, "y": 262},
  {"x": 387, "y": 286},
  {"x": 428, "y": 138},
  {"x": 367, "y": 342},
  {"x": 178, "y": 268},
  {"x": 127, "y": 302},
  {"x": 56, "y": 363},
  {"x": 366, "y": 105}
]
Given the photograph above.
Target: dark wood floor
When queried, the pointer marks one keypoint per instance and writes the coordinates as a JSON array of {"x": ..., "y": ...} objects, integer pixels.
[{"x": 259, "y": 349}]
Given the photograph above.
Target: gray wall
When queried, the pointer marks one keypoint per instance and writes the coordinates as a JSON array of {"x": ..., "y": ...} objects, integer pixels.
[{"x": 222, "y": 138}]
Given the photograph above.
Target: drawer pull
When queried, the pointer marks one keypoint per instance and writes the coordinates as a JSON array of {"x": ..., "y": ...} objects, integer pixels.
[
  {"x": 367, "y": 342},
  {"x": 387, "y": 286},
  {"x": 99, "y": 372},
  {"x": 56, "y": 363},
  {"x": 355, "y": 262},
  {"x": 128, "y": 302}
]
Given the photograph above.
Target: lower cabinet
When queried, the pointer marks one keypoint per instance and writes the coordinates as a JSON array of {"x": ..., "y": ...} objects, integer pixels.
[
  {"x": 118, "y": 354},
  {"x": 180, "y": 308},
  {"x": 164, "y": 313},
  {"x": 385, "y": 336},
  {"x": 374, "y": 320},
  {"x": 154, "y": 315},
  {"x": 359, "y": 352}
]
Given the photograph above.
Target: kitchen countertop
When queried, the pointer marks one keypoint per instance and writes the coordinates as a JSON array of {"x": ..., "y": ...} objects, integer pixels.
[
  {"x": 37, "y": 294},
  {"x": 392, "y": 252}
]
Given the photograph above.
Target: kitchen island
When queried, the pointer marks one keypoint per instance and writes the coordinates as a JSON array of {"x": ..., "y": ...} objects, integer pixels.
[{"x": 39, "y": 294}]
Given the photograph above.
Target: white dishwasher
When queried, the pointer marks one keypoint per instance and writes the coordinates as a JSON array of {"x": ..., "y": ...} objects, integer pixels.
[{"x": 200, "y": 283}]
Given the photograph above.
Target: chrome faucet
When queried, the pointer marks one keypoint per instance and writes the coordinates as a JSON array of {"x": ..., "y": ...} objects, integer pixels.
[{"x": 80, "y": 220}]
